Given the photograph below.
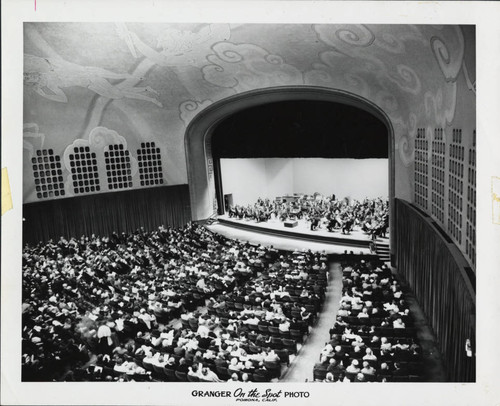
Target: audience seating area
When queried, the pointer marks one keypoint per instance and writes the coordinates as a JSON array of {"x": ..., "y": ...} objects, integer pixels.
[
  {"x": 373, "y": 338},
  {"x": 167, "y": 305}
]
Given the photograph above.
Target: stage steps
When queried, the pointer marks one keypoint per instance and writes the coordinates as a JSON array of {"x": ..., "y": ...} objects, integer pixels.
[
  {"x": 213, "y": 219},
  {"x": 383, "y": 252}
]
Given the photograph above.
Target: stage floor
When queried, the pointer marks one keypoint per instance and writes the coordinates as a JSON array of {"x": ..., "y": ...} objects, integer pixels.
[
  {"x": 356, "y": 239},
  {"x": 288, "y": 243}
]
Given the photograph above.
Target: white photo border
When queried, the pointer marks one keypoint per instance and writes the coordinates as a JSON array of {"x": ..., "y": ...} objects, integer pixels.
[{"x": 484, "y": 15}]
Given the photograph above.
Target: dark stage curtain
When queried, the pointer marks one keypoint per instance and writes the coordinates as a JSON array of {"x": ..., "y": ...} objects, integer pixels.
[
  {"x": 438, "y": 274},
  {"x": 103, "y": 213}
]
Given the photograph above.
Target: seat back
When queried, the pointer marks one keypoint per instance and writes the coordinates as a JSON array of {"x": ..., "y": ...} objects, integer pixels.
[
  {"x": 158, "y": 369},
  {"x": 276, "y": 343},
  {"x": 274, "y": 368},
  {"x": 170, "y": 373},
  {"x": 262, "y": 328},
  {"x": 253, "y": 349},
  {"x": 319, "y": 374},
  {"x": 138, "y": 362},
  {"x": 351, "y": 376},
  {"x": 296, "y": 335},
  {"x": 285, "y": 334},
  {"x": 181, "y": 376},
  {"x": 192, "y": 378},
  {"x": 258, "y": 377},
  {"x": 284, "y": 356},
  {"x": 290, "y": 345},
  {"x": 147, "y": 366},
  {"x": 253, "y": 327},
  {"x": 223, "y": 373}
]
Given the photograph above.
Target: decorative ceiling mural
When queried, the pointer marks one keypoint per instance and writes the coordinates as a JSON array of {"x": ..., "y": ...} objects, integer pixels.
[
  {"x": 190, "y": 108},
  {"x": 147, "y": 81},
  {"x": 177, "y": 47},
  {"x": 49, "y": 76},
  {"x": 383, "y": 68},
  {"x": 244, "y": 67},
  {"x": 32, "y": 138}
]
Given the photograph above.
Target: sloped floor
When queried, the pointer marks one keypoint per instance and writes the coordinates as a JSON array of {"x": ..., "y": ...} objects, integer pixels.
[{"x": 301, "y": 366}]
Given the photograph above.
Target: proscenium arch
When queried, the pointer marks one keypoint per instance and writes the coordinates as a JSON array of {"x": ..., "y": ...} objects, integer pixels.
[{"x": 198, "y": 139}]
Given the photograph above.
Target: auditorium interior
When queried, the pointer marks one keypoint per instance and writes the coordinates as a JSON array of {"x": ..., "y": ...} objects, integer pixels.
[{"x": 248, "y": 202}]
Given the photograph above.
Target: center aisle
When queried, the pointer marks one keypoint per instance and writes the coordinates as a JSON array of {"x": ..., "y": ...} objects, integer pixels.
[{"x": 302, "y": 366}]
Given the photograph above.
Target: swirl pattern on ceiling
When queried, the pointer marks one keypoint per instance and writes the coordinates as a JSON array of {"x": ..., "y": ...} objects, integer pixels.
[
  {"x": 147, "y": 81},
  {"x": 244, "y": 67}
]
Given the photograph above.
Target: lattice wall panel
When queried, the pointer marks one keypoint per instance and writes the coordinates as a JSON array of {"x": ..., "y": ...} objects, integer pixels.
[
  {"x": 421, "y": 170},
  {"x": 456, "y": 186},
  {"x": 438, "y": 171},
  {"x": 48, "y": 174},
  {"x": 150, "y": 168},
  {"x": 470, "y": 237},
  {"x": 84, "y": 171},
  {"x": 118, "y": 167}
]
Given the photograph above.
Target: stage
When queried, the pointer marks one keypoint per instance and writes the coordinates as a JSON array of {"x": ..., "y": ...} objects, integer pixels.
[{"x": 354, "y": 241}]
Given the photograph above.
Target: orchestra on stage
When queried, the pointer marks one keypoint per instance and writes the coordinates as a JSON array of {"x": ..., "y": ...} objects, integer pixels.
[{"x": 321, "y": 212}]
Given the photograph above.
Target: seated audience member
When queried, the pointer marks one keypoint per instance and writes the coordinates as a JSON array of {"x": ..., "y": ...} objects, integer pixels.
[
  {"x": 328, "y": 351},
  {"x": 343, "y": 378},
  {"x": 335, "y": 367},
  {"x": 234, "y": 378},
  {"x": 235, "y": 365},
  {"x": 329, "y": 377},
  {"x": 245, "y": 377},
  {"x": 370, "y": 356},
  {"x": 353, "y": 367},
  {"x": 208, "y": 375},
  {"x": 183, "y": 366},
  {"x": 360, "y": 377},
  {"x": 322, "y": 365},
  {"x": 193, "y": 371},
  {"x": 368, "y": 369},
  {"x": 398, "y": 323}
]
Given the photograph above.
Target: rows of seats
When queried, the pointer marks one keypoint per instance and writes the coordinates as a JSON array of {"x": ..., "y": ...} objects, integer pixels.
[
  {"x": 273, "y": 311},
  {"x": 167, "y": 305},
  {"x": 374, "y": 337}
]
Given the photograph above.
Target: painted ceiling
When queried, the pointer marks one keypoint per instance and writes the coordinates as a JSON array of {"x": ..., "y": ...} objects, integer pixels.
[{"x": 97, "y": 84}]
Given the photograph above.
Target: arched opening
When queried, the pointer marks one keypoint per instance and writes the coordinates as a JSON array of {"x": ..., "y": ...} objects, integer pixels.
[
  {"x": 198, "y": 140},
  {"x": 299, "y": 147}
]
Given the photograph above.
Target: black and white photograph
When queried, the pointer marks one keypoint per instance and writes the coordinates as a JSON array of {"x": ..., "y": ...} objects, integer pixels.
[{"x": 247, "y": 209}]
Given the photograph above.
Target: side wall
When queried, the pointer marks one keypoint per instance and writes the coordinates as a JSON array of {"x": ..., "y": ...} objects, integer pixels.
[
  {"x": 353, "y": 178},
  {"x": 444, "y": 285},
  {"x": 101, "y": 214},
  {"x": 249, "y": 179}
]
